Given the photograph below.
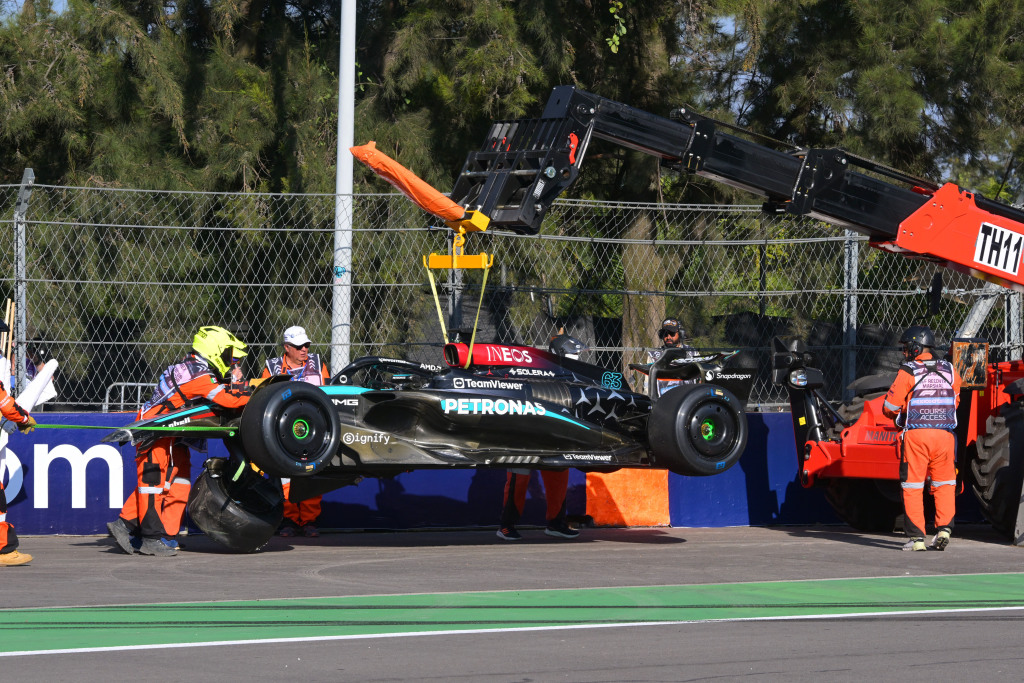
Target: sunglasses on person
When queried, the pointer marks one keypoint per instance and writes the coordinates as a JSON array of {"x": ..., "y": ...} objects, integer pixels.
[{"x": 296, "y": 346}]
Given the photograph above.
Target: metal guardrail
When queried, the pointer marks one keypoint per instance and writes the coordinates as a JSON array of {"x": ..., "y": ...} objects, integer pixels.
[{"x": 142, "y": 389}]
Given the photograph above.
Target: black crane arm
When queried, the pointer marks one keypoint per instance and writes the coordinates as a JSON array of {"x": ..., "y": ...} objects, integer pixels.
[{"x": 525, "y": 164}]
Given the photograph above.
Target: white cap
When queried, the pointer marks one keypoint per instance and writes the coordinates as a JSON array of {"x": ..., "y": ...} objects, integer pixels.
[{"x": 296, "y": 336}]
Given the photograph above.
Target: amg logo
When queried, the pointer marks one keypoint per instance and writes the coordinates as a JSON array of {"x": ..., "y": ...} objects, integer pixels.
[{"x": 345, "y": 401}]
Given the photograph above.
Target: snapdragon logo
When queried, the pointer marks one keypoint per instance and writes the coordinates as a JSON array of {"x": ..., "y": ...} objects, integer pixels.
[{"x": 489, "y": 406}]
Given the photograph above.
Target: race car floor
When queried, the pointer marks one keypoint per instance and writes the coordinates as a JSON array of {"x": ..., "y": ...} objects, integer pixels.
[{"x": 615, "y": 604}]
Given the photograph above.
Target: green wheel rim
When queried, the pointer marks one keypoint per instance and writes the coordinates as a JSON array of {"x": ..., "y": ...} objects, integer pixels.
[{"x": 301, "y": 430}]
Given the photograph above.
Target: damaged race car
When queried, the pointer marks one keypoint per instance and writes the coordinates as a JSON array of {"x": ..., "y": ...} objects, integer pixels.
[{"x": 493, "y": 405}]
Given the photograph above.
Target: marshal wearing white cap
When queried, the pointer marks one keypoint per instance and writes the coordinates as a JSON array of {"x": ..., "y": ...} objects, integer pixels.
[
  {"x": 297, "y": 361},
  {"x": 303, "y": 366}
]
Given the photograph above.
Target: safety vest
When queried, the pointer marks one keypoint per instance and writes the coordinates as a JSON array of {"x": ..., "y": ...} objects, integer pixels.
[
  {"x": 311, "y": 372},
  {"x": 932, "y": 402},
  {"x": 168, "y": 396}
]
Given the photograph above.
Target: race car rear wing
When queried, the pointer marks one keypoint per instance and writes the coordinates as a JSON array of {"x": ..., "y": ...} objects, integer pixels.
[{"x": 524, "y": 164}]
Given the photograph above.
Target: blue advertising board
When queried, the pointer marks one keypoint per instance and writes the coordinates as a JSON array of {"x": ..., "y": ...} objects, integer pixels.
[{"x": 65, "y": 481}]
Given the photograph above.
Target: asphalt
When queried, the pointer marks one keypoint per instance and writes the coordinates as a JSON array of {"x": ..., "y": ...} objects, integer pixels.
[{"x": 945, "y": 645}]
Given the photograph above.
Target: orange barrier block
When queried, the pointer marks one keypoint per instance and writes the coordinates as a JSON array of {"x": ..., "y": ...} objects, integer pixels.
[
  {"x": 408, "y": 183},
  {"x": 628, "y": 498}
]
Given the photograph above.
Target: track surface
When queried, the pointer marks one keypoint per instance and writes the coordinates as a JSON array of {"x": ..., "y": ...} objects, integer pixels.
[{"x": 614, "y": 605}]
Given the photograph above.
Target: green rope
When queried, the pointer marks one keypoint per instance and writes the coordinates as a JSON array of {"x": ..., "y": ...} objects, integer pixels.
[{"x": 229, "y": 430}]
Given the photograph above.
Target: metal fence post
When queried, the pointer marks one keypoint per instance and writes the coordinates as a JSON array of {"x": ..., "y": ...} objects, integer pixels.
[
  {"x": 851, "y": 257},
  {"x": 341, "y": 298},
  {"x": 455, "y": 284},
  {"x": 20, "y": 331},
  {"x": 1013, "y": 326}
]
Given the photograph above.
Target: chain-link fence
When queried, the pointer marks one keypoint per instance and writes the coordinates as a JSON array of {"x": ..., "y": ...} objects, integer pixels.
[{"x": 116, "y": 282}]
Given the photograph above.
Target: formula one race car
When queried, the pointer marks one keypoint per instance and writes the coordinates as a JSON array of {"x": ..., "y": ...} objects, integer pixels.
[{"x": 504, "y": 406}]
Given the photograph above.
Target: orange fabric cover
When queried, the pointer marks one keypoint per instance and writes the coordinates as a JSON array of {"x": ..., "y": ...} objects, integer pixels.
[
  {"x": 628, "y": 498},
  {"x": 419, "y": 191}
]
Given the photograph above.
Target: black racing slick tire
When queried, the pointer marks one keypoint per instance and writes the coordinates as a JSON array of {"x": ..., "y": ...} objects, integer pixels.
[
  {"x": 998, "y": 468},
  {"x": 697, "y": 430},
  {"x": 241, "y": 514},
  {"x": 290, "y": 429},
  {"x": 872, "y": 505}
]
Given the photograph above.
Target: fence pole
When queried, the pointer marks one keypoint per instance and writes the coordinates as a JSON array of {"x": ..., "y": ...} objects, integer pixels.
[
  {"x": 851, "y": 257},
  {"x": 20, "y": 331},
  {"x": 456, "y": 285},
  {"x": 341, "y": 296},
  {"x": 1013, "y": 326}
]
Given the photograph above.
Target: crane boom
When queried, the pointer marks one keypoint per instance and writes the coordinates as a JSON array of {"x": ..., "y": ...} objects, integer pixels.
[{"x": 525, "y": 164}]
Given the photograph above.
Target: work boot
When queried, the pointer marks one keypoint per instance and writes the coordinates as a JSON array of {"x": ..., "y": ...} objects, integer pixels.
[
  {"x": 914, "y": 544},
  {"x": 123, "y": 535},
  {"x": 941, "y": 539},
  {"x": 157, "y": 546},
  {"x": 14, "y": 558}
]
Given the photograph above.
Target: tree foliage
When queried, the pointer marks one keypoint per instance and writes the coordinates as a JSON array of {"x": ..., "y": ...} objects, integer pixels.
[{"x": 241, "y": 95}]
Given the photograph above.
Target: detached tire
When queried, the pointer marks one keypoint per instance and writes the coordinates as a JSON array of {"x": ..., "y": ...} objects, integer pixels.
[
  {"x": 240, "y": 515},
  {"x": 998, "y": 468},
  {"x": 290, "y": 429},
  {"x": 697, "y": 430},
  {"x": 872, "y": 505}
]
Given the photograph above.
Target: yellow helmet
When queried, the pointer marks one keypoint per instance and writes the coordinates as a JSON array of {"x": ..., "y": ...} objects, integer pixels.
[{"x": 219, "y": 347}]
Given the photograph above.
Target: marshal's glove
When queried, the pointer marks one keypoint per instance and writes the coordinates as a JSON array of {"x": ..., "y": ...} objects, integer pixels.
[{"x": 27, "y": 426}]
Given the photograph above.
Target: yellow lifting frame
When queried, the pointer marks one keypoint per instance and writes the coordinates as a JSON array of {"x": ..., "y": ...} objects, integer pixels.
[{"x": 473, "y": 221}]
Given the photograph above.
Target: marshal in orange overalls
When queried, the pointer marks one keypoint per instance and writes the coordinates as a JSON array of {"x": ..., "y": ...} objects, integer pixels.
[{"x": 923, "y": 399}]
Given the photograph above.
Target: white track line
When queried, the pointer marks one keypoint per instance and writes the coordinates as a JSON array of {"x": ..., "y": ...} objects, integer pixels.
[{"x": 570, "y": 627}]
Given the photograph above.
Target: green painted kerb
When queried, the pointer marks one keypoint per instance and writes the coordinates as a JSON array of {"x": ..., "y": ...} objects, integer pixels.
[{"x": 85, "y": 627}]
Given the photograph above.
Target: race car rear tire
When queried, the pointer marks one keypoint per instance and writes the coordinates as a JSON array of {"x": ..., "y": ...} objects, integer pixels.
[
  {"x": 998, "y": 468},
  {"x": 290, "y": 429},
  {"x": 241, "y": 515},
  {"x": 697, "y": 430},
  {"x": 872, "y": 505}
]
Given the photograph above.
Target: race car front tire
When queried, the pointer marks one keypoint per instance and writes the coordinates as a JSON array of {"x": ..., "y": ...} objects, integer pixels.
[
  {"x": 290, "y": 429},
  {"x": 697, "y": 430},
  {"x": 241, "y": 514}
]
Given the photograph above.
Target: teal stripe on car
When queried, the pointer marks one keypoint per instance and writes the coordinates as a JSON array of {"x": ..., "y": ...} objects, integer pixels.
[{"x": 343, "y": 391}]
